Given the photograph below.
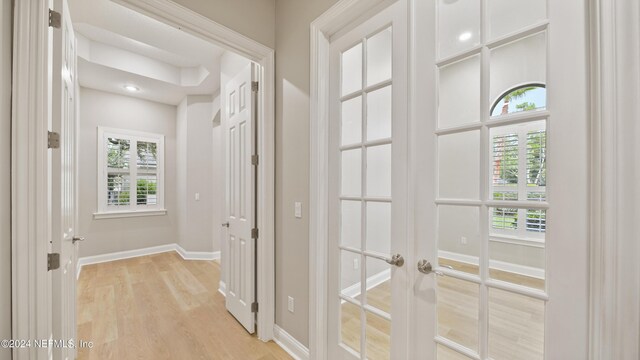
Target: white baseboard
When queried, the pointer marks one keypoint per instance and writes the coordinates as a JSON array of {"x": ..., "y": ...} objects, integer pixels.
[
  {"x": 222, "y": 288},
  {"x": 289, "y": 344},
  {"x": 372, "y": 281},
  {"x": 197, "y": 255},
  {"x": 186, "y": 255},
  {"x": 495, "y": 264}
]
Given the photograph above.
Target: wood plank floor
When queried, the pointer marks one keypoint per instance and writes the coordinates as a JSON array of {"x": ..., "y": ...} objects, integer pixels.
[
  {"x": 516, "y": 322},
  {"x": 161, "y": 307}
]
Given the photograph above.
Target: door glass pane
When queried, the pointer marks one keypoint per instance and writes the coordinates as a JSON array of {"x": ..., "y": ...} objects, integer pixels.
[
  {"x": 459, "y": 165},
  {"x": 458, "y": 309},
  {"x": 518, "y": 63},
  {"x": 350, "y": 325},
  {"x": 379, "y": 227},
  {"x": 458, "y": 26},
  {"x": 379, "y": 171},
  {"x": 379, "y": 284},
  {"x": 352, "y": 121},
  {"x": 351, "y": 172},
  {"x": 378, "y": 333},
  {"x": 350, "y": 282},
  {"x": 508, "y": 16},
  {"x": 517, "y": 262},
  {"x": 516, "y": 326},
  {"x": 459, "y": 237},
  {"x": 352, "y": 70},
  {"x": 379, "y": 57},
  {"x": 379, "y": 114},
  {"x": 351, "y": 224},
  {"x": 459, "y": 93},
  {"x": 444, "y": 353}
]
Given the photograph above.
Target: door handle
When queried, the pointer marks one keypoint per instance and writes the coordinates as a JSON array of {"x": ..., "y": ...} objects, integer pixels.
[
  {"x": 425, "y": 267},
  {"x": 76, "y": 239},
  {"x": 225, "y": 224},
  {"x": 396, "y": 259}
]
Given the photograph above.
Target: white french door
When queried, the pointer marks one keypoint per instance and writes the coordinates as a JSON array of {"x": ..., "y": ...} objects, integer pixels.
[
  {"x": 368, "y": 157},
  {"x": 240, "y": 209},
  {"x": 499, "y": 146},
  {"x": 483, "y": 190}
]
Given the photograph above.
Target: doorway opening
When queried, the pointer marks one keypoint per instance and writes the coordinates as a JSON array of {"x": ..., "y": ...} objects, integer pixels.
[{"x": 152, "y": 163}]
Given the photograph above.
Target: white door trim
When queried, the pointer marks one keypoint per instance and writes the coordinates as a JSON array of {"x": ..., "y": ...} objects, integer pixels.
[
  {"x": 340, "y": 15},
  {"x": 30, "y": 235},
  {"x": 615, "y": 156}
]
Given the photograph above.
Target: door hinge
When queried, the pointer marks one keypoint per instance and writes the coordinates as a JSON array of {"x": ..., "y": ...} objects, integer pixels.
[
  {"x": 255, "y": 159},
  {"x": 254, "y": 307},
  {"x": 254, "y": 233},
  {"x": 53, "y": 140},
  {"x": 254, "y": 86},
  {"x": 55, "y": 20},
  {"x": 53, "y": 261}
]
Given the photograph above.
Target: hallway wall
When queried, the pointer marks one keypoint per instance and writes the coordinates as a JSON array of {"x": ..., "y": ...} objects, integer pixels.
[
  {"x": 104, "y": 236},
  {"x": 195, "y": 173},
  {"x": 252, "y": 18},
  {"x": 292, "y": 160},
  {"x": 5, "y": 176}
]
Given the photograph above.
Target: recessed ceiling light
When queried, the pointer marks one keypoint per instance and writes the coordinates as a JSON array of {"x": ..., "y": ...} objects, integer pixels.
[
  {"x": 131, "y": 88},
  {"x": 465, "y": 36}
]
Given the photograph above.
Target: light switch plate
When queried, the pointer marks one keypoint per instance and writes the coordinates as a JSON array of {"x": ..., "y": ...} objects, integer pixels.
[
  {"x": 298, "y": 209},
  {"x": 197, "y": 196},
  {"x": 290, "y": 304}
]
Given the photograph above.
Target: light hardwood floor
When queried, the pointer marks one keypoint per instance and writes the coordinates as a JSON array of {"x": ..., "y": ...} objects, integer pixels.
[
  {"x": 516, "y": 322},
  {"x": 161, "y": 307}
]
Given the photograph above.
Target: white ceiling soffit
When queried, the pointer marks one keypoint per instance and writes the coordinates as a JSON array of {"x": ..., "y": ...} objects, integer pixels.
[{"x": 118, "y": 46}]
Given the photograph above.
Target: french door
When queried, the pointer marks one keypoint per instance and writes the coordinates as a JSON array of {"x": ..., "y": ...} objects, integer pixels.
[
  {"x": 481, "y": 189},
  {"x": 368, "y": 162}
]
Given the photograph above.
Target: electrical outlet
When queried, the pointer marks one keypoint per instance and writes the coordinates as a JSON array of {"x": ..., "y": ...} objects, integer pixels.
[
  {"x": 463, "y": 240},
  {"x": 291, "y": 304},
  {"x": 356, "y": 264}
]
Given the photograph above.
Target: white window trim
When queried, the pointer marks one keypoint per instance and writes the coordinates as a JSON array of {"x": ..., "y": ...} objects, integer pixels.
[{"x": 133, "y": 210}]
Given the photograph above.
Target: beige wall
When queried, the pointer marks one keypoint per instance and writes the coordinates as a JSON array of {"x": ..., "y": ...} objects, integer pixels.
[
  {"x": 251, "y": 18},
  {"x": 5, "y": 175},
  {"x": 195, "y": 173},
  {"x": 293, "y": 18},
  {"x": 104, "y": 236}
]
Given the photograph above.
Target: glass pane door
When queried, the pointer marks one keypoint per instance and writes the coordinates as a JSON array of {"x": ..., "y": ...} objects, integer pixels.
[
  {"x": 368, "y": 163},
  {"x": 505, "y": 215}
]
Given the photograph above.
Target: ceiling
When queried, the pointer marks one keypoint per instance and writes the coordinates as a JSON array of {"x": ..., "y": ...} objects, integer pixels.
[{"x": 119, "y": 47}]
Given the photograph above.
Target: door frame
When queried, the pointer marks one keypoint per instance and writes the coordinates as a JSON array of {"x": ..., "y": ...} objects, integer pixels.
[
  {"x": 30, "y": 188},
  {"x": 614, "y": 317}
]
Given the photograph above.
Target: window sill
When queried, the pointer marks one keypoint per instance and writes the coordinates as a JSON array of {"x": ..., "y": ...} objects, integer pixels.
[{"x": 126, "y": 214}]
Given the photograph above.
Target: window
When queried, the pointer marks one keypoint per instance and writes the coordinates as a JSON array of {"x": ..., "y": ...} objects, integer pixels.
[
  {"x": 522, "y": 98},
  {"x": 518, "y": 160},
  {"x": 130, "y": 173}
]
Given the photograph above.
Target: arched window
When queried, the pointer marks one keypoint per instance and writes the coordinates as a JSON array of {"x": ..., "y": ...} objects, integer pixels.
[{"x": 522, "y": 98}]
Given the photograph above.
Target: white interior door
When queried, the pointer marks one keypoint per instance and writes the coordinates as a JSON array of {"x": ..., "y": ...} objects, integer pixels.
[
  {"x": 63, "y": 174},
  {"x": 367, "y": 297},
  {"x": 501, "y": 146},
  {"x": 240, "y": 196}
]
